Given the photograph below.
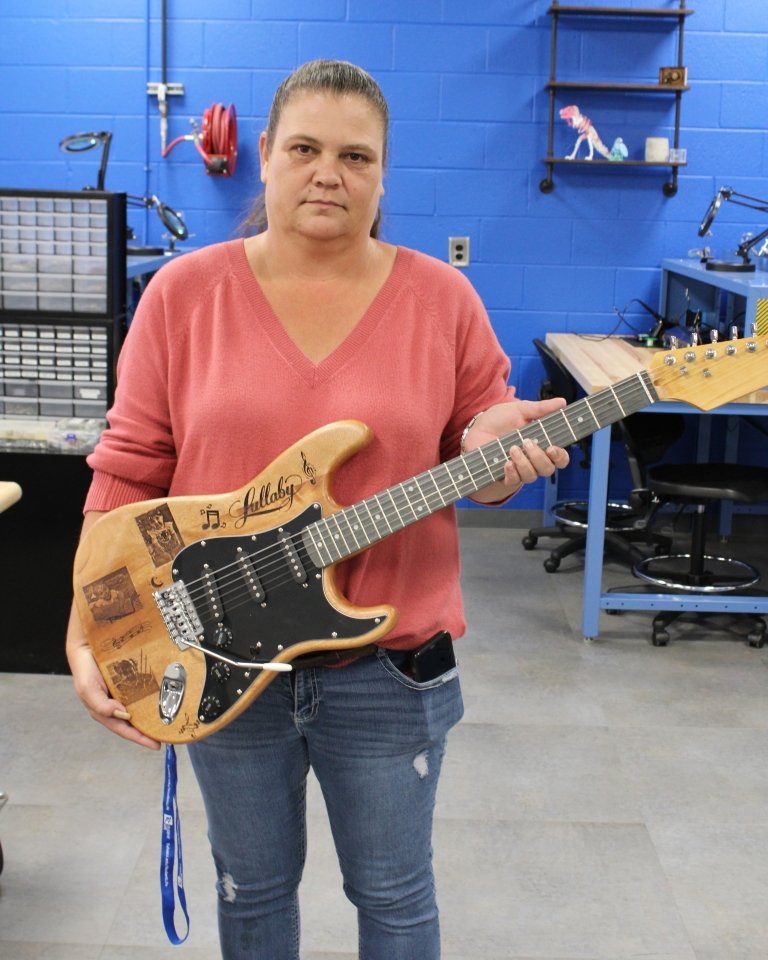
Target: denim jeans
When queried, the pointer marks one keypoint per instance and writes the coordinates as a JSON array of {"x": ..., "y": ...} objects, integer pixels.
[{"x": 375, "y": 739}]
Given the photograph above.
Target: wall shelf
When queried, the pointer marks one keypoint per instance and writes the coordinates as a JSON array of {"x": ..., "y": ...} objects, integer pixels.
[
  {"x": 676, "y": 17},
  {"x": 584, "y": 10},
  {"x": 626, "y": 87}
]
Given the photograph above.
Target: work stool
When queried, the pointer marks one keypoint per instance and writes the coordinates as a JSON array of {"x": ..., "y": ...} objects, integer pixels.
[
  {"x": 570, "y": 526},
  {"x": 700, "y": 486},
  {"x": 624, "y": 526}
]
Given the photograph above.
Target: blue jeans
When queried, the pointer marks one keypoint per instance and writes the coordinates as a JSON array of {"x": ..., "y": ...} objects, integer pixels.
[{"x": 375, "y": 739}]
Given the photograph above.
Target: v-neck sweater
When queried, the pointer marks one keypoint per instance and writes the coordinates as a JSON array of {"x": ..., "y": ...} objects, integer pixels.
[{"x": 211, "y": 389}]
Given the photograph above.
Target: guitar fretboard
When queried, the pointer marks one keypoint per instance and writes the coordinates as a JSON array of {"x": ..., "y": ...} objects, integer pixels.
[{"x": 359, "y": 526}]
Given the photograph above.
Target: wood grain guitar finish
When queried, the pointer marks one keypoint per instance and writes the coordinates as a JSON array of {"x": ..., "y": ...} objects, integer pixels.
[{"x": 192, "y": 604}]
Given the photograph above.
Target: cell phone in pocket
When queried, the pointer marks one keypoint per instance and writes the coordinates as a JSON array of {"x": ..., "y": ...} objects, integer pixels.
[{"x": 433, "y": 658}]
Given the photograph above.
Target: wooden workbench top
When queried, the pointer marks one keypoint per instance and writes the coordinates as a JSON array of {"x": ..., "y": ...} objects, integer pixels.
[{"x": 597, "y": 361}]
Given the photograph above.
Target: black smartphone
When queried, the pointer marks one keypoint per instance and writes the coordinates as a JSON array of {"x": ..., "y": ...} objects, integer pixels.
[{"x": 433, "y": 658}]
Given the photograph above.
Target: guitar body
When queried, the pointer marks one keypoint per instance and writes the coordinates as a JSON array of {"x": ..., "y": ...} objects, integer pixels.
[{"x": 254, "y": 593}]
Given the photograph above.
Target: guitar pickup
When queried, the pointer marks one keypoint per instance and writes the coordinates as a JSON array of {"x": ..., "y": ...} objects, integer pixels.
[
  {"x": 298, "y": 573},
  {"x": 212, "y": 594},
  {"x": 248, "y": 570}
]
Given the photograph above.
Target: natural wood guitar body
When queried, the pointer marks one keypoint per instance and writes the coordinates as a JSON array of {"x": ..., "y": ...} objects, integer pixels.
[{"x": 128, "y": 555}]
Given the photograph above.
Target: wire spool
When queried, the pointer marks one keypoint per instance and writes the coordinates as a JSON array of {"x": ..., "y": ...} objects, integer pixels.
[
  {"x": 219, "y": 139},
  {"x": 217, "y": 143}
]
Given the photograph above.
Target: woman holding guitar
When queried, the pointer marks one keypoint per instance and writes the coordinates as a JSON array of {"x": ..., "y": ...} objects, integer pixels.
[{"x": 236, "y": 352}]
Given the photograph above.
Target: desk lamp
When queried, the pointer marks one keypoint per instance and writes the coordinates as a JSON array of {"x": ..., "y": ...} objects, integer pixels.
[
  {"x": 171, "y": 219},
  {"x": 745, "y": 265},
  {"x": 80, "y": 142}
]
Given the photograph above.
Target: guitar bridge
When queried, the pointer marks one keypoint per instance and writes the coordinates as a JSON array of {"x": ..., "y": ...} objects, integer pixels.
[{"x": 179, "y": 614}]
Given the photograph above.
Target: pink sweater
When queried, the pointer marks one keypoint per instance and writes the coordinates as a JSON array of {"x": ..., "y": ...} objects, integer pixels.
[{"x": 211, "y": 389}]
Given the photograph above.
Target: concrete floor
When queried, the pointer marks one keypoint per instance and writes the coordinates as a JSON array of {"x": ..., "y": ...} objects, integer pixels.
[{"x": 598, "y": 802}]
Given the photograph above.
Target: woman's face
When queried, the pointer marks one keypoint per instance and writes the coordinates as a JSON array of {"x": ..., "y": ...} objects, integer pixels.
[{"x": 323, "y": 173}]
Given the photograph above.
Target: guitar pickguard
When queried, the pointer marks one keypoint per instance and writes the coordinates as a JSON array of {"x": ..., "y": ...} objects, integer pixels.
[{"x": 255, "y": 599}]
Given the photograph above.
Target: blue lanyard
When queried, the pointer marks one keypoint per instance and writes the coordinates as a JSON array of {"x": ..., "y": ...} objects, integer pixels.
[{"x": 171, "y": 841}]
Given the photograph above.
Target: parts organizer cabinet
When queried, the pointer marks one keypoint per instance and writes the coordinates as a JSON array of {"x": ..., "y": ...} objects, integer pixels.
[
  {"x": 675, "y": 87},
  {"x": 62, "y": 318}
]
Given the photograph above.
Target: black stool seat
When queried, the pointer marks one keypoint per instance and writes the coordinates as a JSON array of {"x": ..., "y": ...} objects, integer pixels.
[{"x": 709, "y": 481}]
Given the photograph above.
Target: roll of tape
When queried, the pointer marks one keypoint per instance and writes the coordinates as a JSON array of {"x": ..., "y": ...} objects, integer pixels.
[{"x": 656, "y": 149}]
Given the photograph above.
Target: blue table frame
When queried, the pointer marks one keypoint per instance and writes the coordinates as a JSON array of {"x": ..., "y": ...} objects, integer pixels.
[{"x": 595, "y": 599}]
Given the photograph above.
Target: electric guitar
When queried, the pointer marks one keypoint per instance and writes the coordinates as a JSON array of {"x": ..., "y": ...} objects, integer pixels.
[{"x": 191, "y": 605}]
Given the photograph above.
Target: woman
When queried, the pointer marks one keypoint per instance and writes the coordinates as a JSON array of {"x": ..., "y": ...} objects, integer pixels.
[{"x": 239, "y": 350}]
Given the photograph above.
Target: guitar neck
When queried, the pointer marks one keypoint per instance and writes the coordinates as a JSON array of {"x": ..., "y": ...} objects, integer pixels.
[{"x": 359, "y": 526}]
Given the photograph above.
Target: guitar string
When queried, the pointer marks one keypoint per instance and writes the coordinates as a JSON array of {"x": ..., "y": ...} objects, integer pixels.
[
  {"x": 636, "y": 391},
  {"x": 276, "y": 552},
  {"x": 230, "y": 580},
  {"x": 434, "y": 500},
  {"x": 632, "y": 389}
]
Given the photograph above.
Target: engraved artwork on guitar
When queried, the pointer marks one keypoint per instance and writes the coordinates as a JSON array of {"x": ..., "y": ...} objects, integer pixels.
[
  {"x": 112, "y": 596},
  {"x": 160, "y": 534},
  {"x": 214, "y": 595}
]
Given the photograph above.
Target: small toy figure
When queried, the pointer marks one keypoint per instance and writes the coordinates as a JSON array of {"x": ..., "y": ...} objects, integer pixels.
[
  {"x": 618, "y": 150},
  {"x": 583, "y": 125}
]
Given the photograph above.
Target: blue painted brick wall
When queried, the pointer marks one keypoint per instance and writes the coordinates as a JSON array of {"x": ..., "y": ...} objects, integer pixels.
[{"x": 466, "y": 86}]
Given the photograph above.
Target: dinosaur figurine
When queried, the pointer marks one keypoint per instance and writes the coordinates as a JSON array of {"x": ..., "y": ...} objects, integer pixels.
[{"x": 586, "y": 131}]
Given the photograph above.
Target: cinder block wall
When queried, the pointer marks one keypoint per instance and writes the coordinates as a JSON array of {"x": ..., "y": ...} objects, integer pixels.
[{"x": 466, "y": 85}]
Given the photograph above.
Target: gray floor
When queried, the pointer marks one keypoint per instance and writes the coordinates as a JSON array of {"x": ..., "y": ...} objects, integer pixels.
[{"x": 599, "y": 802}]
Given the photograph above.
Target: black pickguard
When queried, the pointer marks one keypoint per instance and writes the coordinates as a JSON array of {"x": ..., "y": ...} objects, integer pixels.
[{"x": 256, "y": 627}]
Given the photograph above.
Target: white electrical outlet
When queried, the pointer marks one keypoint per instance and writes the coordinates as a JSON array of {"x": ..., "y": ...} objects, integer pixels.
[{"x": 458, "y": 251}]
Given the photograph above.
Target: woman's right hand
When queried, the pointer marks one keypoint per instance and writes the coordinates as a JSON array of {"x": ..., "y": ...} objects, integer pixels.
[{"x": 89, "y": 683}]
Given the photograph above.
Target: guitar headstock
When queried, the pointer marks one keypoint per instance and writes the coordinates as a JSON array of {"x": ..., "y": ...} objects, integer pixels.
[{"x": 711, "y": 374}]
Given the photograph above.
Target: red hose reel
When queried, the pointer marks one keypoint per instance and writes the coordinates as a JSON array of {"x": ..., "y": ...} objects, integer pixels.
[{"x": 217, "y": 142}]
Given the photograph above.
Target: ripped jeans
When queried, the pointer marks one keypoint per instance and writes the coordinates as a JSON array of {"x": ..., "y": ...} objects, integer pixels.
[{"x": 375, "y": 739}]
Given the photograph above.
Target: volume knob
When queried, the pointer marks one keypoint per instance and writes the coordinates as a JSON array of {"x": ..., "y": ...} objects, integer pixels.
[
  {"x": 221, "y": 672},
  {"x": 222, "y": 636},
  {"x": 210, "y": 708}
]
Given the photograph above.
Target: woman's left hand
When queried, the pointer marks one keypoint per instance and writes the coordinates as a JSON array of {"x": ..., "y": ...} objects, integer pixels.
[{"x": 527, "y": 461}]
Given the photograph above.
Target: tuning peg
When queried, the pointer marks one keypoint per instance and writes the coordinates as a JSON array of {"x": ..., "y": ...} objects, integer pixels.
[
  {"x": 734, "y": 332},
  {"x": 714, "y": 335},
  {"x": 694, "y": 338}
]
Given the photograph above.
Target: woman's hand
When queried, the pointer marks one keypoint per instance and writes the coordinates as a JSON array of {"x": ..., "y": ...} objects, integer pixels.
[
  {"x": 527, "y": 461},
  {"x": 89, "y": 683}
]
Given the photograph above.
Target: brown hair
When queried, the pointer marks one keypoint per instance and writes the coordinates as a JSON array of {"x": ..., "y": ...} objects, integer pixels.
[{"x": 337, "y": 77}]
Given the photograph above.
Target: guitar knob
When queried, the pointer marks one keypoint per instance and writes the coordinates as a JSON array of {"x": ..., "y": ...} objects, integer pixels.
[
  {"x": 210, "y": 708},
  {"x": 222, "y": 637},
  {"x": 221, "y": 672}
]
